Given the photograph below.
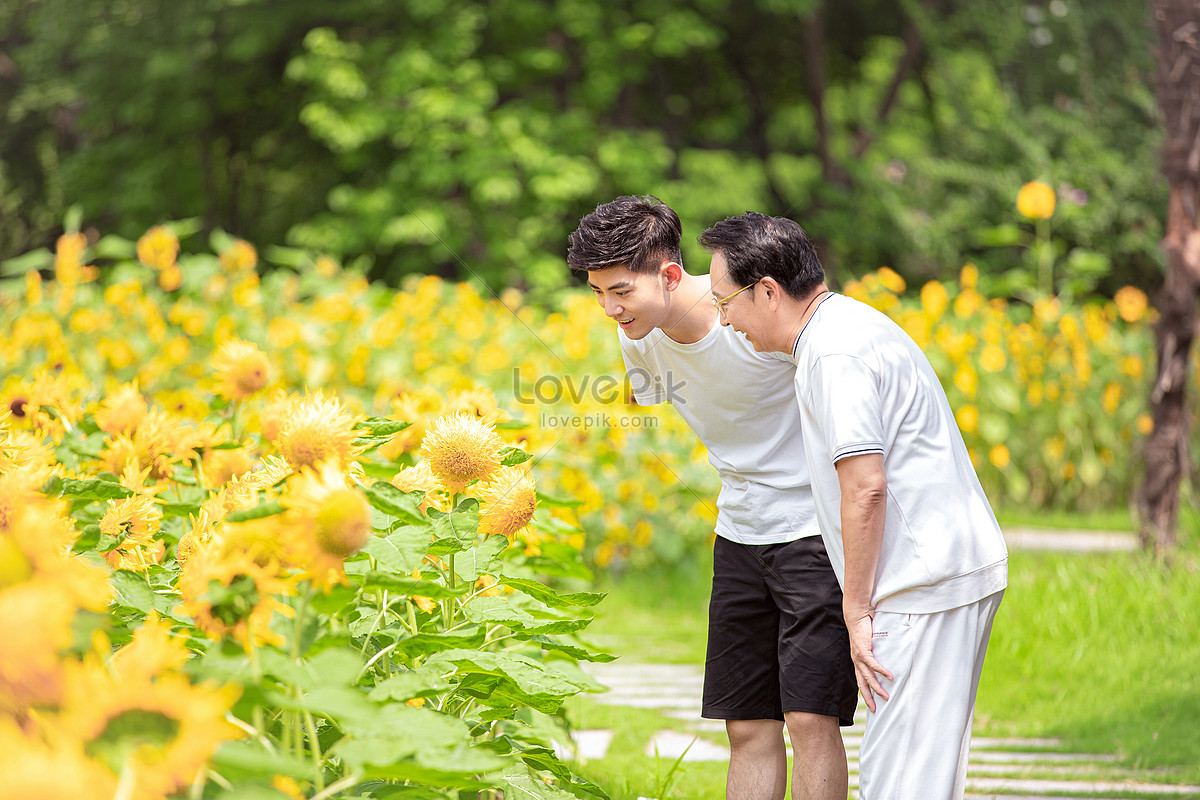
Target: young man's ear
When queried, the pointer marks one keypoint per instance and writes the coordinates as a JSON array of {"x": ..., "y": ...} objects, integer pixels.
[{"x": 672, "y": 274}]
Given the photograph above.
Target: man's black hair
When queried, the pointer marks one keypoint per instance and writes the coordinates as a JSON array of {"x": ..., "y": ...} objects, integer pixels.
[
  {"x": 757, "y": 246},
  {"x": 638, "y": 233}
]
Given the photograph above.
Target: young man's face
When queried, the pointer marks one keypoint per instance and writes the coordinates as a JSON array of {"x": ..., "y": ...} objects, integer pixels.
[
  {"x": 636, "y": 300},
  {"x": 734, "y": 303}
]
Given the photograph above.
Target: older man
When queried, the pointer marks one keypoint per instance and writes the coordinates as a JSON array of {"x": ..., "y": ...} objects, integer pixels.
[{"x": 911, "y": 535}]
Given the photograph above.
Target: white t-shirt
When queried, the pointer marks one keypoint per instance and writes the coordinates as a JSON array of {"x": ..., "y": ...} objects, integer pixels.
[
  {"x": 743, "y": 407},
  {"x": 864, "y": 386}
]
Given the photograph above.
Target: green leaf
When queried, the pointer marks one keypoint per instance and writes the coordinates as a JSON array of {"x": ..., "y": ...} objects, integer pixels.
[
  {"x": 132, "y": 590},
  {"x": 580, "y": 653},
  {"x": 470, "y": 562},
  {"x": 512, "y": 456},
  {"x": 339, "y": 704},
  {"x": 396, "y": 584},
  {"x": 999, "y": 236},
  {"x": 461, "y": 524},
  {"x": 268, "y": 509},
  {"x": 544, "y": 759},
  {"x": 522, "y": 786},
  {"x": 400, "y": 551},
  {"x": 406, "y": 743},
  {"x": 512, "y": 679},
  {"x": 115, "y": 247},
  {"x": 424, "y": 681},
  {"x": 390, "y": 500},
  {"x": 381, "y": 426},
  {"x": 246, "y": 759},
  {"x": 172, "y": 510},
  {"x": 94, "y": 489},
  {"x": 34, "y": 259},
  {"x": 547, "y": 501},
  {"x": 425, "y": 643},
  {"x": 540, "y": 591}
]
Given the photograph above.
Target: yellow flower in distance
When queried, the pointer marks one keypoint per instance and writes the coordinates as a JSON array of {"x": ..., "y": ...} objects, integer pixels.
[
  {"x": 338, "y": 516},
  {"x": 1131, "y": 303},
  {"x": 242, "y": 369},
  {"x": 461, "y": 448},
  {"x": 228, "y": 594},
  {"x": 238, "y": 257},
  {"x": 122, "y": 410},
  {"x": 510, "y": 498},
  {"x": 158, "y": 248},
  {"x": 999, "y": 456},
  {"x": 317, "y": 429},
  {"x": 1036, "y": 200},
  {"x": 891, "y": 280}
]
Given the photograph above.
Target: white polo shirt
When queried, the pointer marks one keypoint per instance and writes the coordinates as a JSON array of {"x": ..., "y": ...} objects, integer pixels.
[
  {"x": 742, "y": 406},
  {"x": 864, "y": 386}
]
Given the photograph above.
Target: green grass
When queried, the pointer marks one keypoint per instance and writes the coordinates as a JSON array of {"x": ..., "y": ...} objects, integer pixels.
[{"x": 1098, "y": 650}]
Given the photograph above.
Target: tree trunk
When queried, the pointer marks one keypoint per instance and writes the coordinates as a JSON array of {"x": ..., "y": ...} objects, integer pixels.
[{"x": 1177, "y": 87}]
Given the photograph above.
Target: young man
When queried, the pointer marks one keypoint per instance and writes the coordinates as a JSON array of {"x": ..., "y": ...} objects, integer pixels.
[
  {"x": 911, "y": 535},
  {"x": 777, "y": 647}
]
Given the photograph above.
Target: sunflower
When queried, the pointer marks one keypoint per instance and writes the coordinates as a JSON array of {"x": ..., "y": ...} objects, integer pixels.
[
  {"x": 157, "y": 726},
  {"x": 221, "y": 466},
  {"x": 479, "y": 402},
  {"x": 315, "y": 429},
  {"x": 228, "y": 594},
  {"x": 264, "y": 541},
  {"x": 37, "y": 769},
  {"x": 274, "y": 413},
  {"x": 137, "y": 518},
  {"x": 121, "y": 410},
  {"x": 461, "y": 449},
  {"x": 510, "y": 498},
  {"x": 421, "y": 479},
  {"x": 242, "y": 369},
  {"x": 329, "y": 521}
]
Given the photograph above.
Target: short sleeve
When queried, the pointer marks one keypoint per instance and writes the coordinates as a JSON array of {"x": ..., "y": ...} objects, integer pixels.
[
  {"x": 846, "y": 404},
  {"x": 643, "y": 380}
]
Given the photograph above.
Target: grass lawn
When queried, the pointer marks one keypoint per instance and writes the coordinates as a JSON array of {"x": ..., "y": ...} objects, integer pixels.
[{"x": 1099, "y": 650}]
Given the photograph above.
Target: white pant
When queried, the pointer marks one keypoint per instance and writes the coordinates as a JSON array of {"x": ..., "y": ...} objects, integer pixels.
[{"x": 916, "y": 744}]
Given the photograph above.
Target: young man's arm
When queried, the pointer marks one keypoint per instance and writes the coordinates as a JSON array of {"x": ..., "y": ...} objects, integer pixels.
[{"x": 864, "y": 503}]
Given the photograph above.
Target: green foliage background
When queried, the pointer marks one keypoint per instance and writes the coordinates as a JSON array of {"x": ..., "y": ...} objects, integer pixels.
[{"x": 467, "y": 138}]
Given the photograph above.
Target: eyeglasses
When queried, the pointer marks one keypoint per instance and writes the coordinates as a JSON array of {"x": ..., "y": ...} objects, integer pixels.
[{"x": 719, "y": 305}]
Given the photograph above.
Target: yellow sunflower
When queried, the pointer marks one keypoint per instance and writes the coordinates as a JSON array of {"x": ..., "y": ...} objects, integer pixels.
[
  {"x": 37, "y": 769},
  {"x": 316, "y": 429},
  {"x": 421, "y": 479},
  {"x": 121, "y": 410},
  {"x": 228, "y": 594},
  {"x": 460, "y": 449},
  {"x": 160, "y": 728},
  {"x": 509, "y": 500},
  {"x": 137, "y": 518},
  {"x": 242, "y": 369},
  {"x": 335, "y": 520},
  {"x": 221, "y": 466}
]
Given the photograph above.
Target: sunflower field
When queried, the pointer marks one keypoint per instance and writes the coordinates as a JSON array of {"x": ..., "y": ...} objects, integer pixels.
[{"x": 287, "y": 533}]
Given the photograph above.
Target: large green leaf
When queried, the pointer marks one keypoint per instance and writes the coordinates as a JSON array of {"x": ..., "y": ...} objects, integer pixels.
[
  {"x": 409, "y": 587},
  {"x": 541, "y": 591},
  {"x": 93, "y": 489},
  {"x": 268, "y": 509},
  {"x": 581, "y": 653},
  {"x": 421, "y": 682},
  {"x": 500, "y": 610},
  {"x": 390, "y": 500},
  {"x": 247, "y": 758},
  {"x": 401, "y": 550},
  {"x": 473, "y": 560},
  {"x": 425, "y": 643},
  {"x": 510, "y": 679},
  {"x": 522, "y": 786}
]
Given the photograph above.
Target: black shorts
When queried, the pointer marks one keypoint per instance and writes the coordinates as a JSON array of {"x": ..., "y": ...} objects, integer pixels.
[{"x": 777, "y": 639}]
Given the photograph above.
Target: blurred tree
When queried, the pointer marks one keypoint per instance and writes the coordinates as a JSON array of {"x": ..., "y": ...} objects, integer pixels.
[
  {"x": 1177, "y": 81},
  {"x": 467, "y": 138}
]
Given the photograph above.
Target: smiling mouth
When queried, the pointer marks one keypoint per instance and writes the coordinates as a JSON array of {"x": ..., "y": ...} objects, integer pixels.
[{"x": 625, "y": 321}]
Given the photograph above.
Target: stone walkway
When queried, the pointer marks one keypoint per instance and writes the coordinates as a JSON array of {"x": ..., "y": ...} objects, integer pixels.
[{"x": 1002, "y": 769}]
